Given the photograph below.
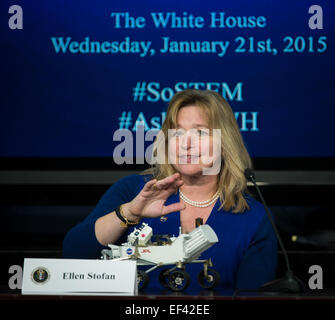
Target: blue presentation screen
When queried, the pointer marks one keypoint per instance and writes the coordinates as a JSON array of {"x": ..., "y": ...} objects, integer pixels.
[{"x": 74, "y": 72}]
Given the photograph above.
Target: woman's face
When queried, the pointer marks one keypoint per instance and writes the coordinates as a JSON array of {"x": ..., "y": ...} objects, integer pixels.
[{"x": 191, "y": 145}]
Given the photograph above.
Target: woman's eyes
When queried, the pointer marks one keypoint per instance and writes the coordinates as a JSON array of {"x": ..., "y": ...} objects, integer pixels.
[
  {"x": 198, "y": 132},
  {"x": 203, "y": 132},
  {"x": 178, "y": 133}
]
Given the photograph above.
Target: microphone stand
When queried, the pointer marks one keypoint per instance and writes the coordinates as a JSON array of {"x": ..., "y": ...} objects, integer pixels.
[{"x": 289, "y": 283}]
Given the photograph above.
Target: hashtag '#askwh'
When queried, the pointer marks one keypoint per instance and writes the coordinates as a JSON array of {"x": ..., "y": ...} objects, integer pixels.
[{"x": 125, "y": 120}]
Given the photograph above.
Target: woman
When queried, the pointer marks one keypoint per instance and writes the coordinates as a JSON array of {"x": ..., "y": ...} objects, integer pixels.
[{"x": 199, "y": 172}]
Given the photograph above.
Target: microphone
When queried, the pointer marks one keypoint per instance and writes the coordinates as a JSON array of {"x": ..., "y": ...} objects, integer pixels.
[{"x": 289, "y": 283}]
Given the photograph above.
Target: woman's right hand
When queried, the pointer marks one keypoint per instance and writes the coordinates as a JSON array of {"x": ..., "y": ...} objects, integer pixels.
[{"x": 150, "y": 202}]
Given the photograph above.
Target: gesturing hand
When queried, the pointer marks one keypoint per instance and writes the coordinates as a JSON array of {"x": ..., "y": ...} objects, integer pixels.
[{"x": 150, "y": 202}]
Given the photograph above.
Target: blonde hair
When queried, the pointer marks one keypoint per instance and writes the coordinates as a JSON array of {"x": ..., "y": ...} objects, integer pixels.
[{"x": 231, "y": 183}]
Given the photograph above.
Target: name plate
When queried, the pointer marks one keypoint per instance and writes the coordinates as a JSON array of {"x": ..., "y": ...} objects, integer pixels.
[{"x": 79, "y": 277}]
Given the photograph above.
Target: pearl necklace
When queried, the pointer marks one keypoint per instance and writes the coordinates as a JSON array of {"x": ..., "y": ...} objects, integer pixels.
[{"x": 200, "y": 204}]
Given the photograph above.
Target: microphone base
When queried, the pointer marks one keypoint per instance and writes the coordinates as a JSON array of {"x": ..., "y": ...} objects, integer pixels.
[{"x": 288, "y": 284}]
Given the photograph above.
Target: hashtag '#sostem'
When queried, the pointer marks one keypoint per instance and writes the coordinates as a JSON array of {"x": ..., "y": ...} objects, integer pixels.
[{"x": 139, "y": 92}]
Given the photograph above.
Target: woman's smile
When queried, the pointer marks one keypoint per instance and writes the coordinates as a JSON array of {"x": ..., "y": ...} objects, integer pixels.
[{"x": 192, "y": 159}]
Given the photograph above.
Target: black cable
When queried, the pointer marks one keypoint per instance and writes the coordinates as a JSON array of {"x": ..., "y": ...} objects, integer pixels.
[{"x": 273, "y": 226}]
